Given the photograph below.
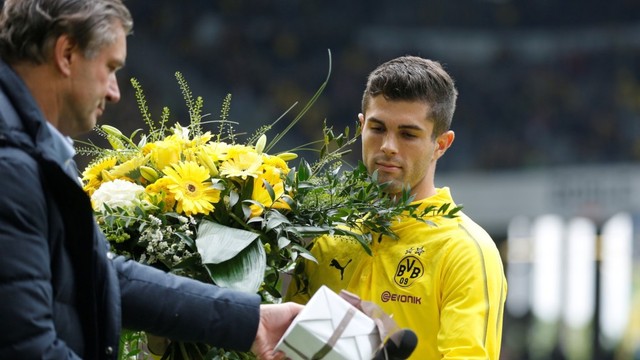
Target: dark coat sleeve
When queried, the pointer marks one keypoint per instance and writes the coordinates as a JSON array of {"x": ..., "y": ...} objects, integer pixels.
[
  {"x": 184, "y": 309},
  {"x": 26, "y": 294},
  {"x": 151, "y": 300}
]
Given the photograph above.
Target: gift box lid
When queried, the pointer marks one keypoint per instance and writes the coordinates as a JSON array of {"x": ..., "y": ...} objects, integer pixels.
[{"x": 329, "y": 327}]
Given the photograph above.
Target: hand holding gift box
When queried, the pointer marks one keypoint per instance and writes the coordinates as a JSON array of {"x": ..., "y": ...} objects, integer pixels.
[{"x": 339, "y": 327}]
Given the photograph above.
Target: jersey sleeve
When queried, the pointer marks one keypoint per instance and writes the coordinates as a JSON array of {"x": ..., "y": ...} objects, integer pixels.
[{"x": 473, "y": 295}]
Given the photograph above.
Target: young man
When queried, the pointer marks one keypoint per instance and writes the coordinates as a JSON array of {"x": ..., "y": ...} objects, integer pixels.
[
  {"x": 63, "y": 295},
  {"x": 444, "y": 282}
]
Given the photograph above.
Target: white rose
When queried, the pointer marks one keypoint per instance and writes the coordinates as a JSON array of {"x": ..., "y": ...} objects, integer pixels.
[{"x": 117, "y": 193}]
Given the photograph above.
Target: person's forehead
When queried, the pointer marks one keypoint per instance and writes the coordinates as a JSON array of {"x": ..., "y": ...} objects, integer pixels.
[
  {"x": 116, "y": 51},
  {"x": 379, "y": 104}
]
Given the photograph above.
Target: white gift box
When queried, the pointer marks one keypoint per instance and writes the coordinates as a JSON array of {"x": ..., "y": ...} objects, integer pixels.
[{"x": 330, "y": 328}]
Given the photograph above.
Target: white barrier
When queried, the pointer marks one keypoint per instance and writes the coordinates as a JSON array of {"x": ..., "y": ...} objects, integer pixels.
[{"x": 561, "y": 270}]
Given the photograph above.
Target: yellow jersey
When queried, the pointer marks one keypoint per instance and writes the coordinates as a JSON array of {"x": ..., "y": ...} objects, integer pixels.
[{"x": 445, "y": 281}]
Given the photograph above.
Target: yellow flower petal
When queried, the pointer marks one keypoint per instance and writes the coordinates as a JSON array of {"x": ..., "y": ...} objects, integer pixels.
[{"x": 193, "y": 193}]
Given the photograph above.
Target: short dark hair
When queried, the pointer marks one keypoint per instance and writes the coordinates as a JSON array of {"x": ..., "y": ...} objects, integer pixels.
[
  {"x": 413, "y": 78},
  {"x": 29, "y": 28}
]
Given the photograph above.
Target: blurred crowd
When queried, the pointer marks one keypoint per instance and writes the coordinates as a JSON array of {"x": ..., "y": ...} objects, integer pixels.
[{"x": 542, "y": 83}]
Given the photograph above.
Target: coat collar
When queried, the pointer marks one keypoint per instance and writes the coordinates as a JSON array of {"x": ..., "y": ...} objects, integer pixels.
[{"x": 25, "y": 123}]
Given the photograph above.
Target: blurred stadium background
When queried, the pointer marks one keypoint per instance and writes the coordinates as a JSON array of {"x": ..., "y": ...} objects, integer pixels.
[{"x": 547, "y": 127}]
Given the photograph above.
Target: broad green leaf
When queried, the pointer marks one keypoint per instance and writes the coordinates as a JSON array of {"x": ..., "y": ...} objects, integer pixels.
[
  {"x": 283, "y": 242},
  {"x": 304, "y": 170},
  {"x": 308, "y": 256},
  {"x": 272, "y": 193},
  {"x": 244, "y": 272},
  {"x": 218, "y": 243},
  {"x": 276, "y": 219}
]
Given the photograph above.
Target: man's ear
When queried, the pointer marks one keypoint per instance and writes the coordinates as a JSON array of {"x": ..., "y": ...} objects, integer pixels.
[
  {"x": 443, "y": 142},
  {"x": 63, "y": 51}
]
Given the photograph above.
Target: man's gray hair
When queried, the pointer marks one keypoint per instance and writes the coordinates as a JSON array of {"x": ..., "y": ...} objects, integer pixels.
[{"x": 29, "y": 28}]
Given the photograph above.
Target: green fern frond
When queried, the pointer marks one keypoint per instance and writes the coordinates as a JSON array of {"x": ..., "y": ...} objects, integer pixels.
[
  {"x": 226, "y": 107},
  {"x": 194, "y": 106},
  {"x": 186, "y": 91},
  {"x": 93, "y": 152},
  {"x": 142, "y": 104},
  {"x": 196, "y": 116},
  {"x": 225, "y": 129},
  {"x": 256, "y": 135},
  {"x": 164, "y": 118}
]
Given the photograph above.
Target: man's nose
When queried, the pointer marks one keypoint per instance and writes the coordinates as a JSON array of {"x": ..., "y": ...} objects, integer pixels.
[
  {"x": 389, "y": 145},
  {"x": 113, "y": 91}
]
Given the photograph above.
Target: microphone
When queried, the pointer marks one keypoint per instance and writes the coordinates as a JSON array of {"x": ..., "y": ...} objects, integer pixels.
[{"x": 399, "y": 346}]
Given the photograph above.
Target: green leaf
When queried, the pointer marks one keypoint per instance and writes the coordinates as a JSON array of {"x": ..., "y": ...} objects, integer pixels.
[
  {"x": 308, "y": 230},
  {"x": 453, "y": 213},
  {"x": 283, "y": 242},
  {"x": 272, "y": 193},
  {"x": 243, "y": 272},
  {"x": 308, "y": 256},
  {"x": 186, "y": 263},
  {"x": 304, "y": 170},
  {"x": 187, "y": 240},
  {"x": 218, "y": 243},
  {"x": 276, "y": 219},
  {"x": 362, "y": 239}
]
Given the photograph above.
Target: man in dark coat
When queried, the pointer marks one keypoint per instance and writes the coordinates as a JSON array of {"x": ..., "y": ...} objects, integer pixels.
[{"x": 62, "y": 294}]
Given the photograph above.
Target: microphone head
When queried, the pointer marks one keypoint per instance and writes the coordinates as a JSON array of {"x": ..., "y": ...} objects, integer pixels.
[
  {"x": 398, "y": 346},
  {"x": 404, "y": 341}
]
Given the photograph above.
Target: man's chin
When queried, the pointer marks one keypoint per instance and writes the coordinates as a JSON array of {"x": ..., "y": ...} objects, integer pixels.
[
  {"x": 390, "y": 186},
  {"x": 86, "y": 127}
]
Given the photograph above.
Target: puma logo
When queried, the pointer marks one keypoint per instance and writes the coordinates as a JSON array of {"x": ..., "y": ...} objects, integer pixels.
[{"x": 337, "y": 265}]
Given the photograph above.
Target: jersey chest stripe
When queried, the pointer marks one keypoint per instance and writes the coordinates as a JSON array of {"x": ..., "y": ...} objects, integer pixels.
[{"x": 486, "y": 285}]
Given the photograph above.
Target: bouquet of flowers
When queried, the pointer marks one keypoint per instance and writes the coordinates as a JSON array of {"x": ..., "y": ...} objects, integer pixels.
[{"x": 210, "y": 207}]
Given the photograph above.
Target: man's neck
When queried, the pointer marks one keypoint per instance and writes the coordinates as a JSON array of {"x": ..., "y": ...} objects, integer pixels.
[{"x": 40, "y": 80}]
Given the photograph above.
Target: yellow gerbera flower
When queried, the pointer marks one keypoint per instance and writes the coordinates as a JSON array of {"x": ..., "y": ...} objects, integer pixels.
[
  {"x": 243, "y": 164},
  {"x": 193, "y": 193},
  {"x": 128, "y": 168},
  {"x": 199, "y": 140},
  {"x": 158, "y": 194},
  {"x": 236, "y": 150},
  {"x": 94, "y": 170},
  {"x": 217, "y": 151},
  {"x": 92, "y": 175}
]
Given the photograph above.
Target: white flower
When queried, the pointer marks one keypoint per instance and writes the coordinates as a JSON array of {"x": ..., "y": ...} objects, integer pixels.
[
  {"x": 181, "y": 132},
  {"x": 155, "y": 221},
  {"x": 117, "y": 193}
]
